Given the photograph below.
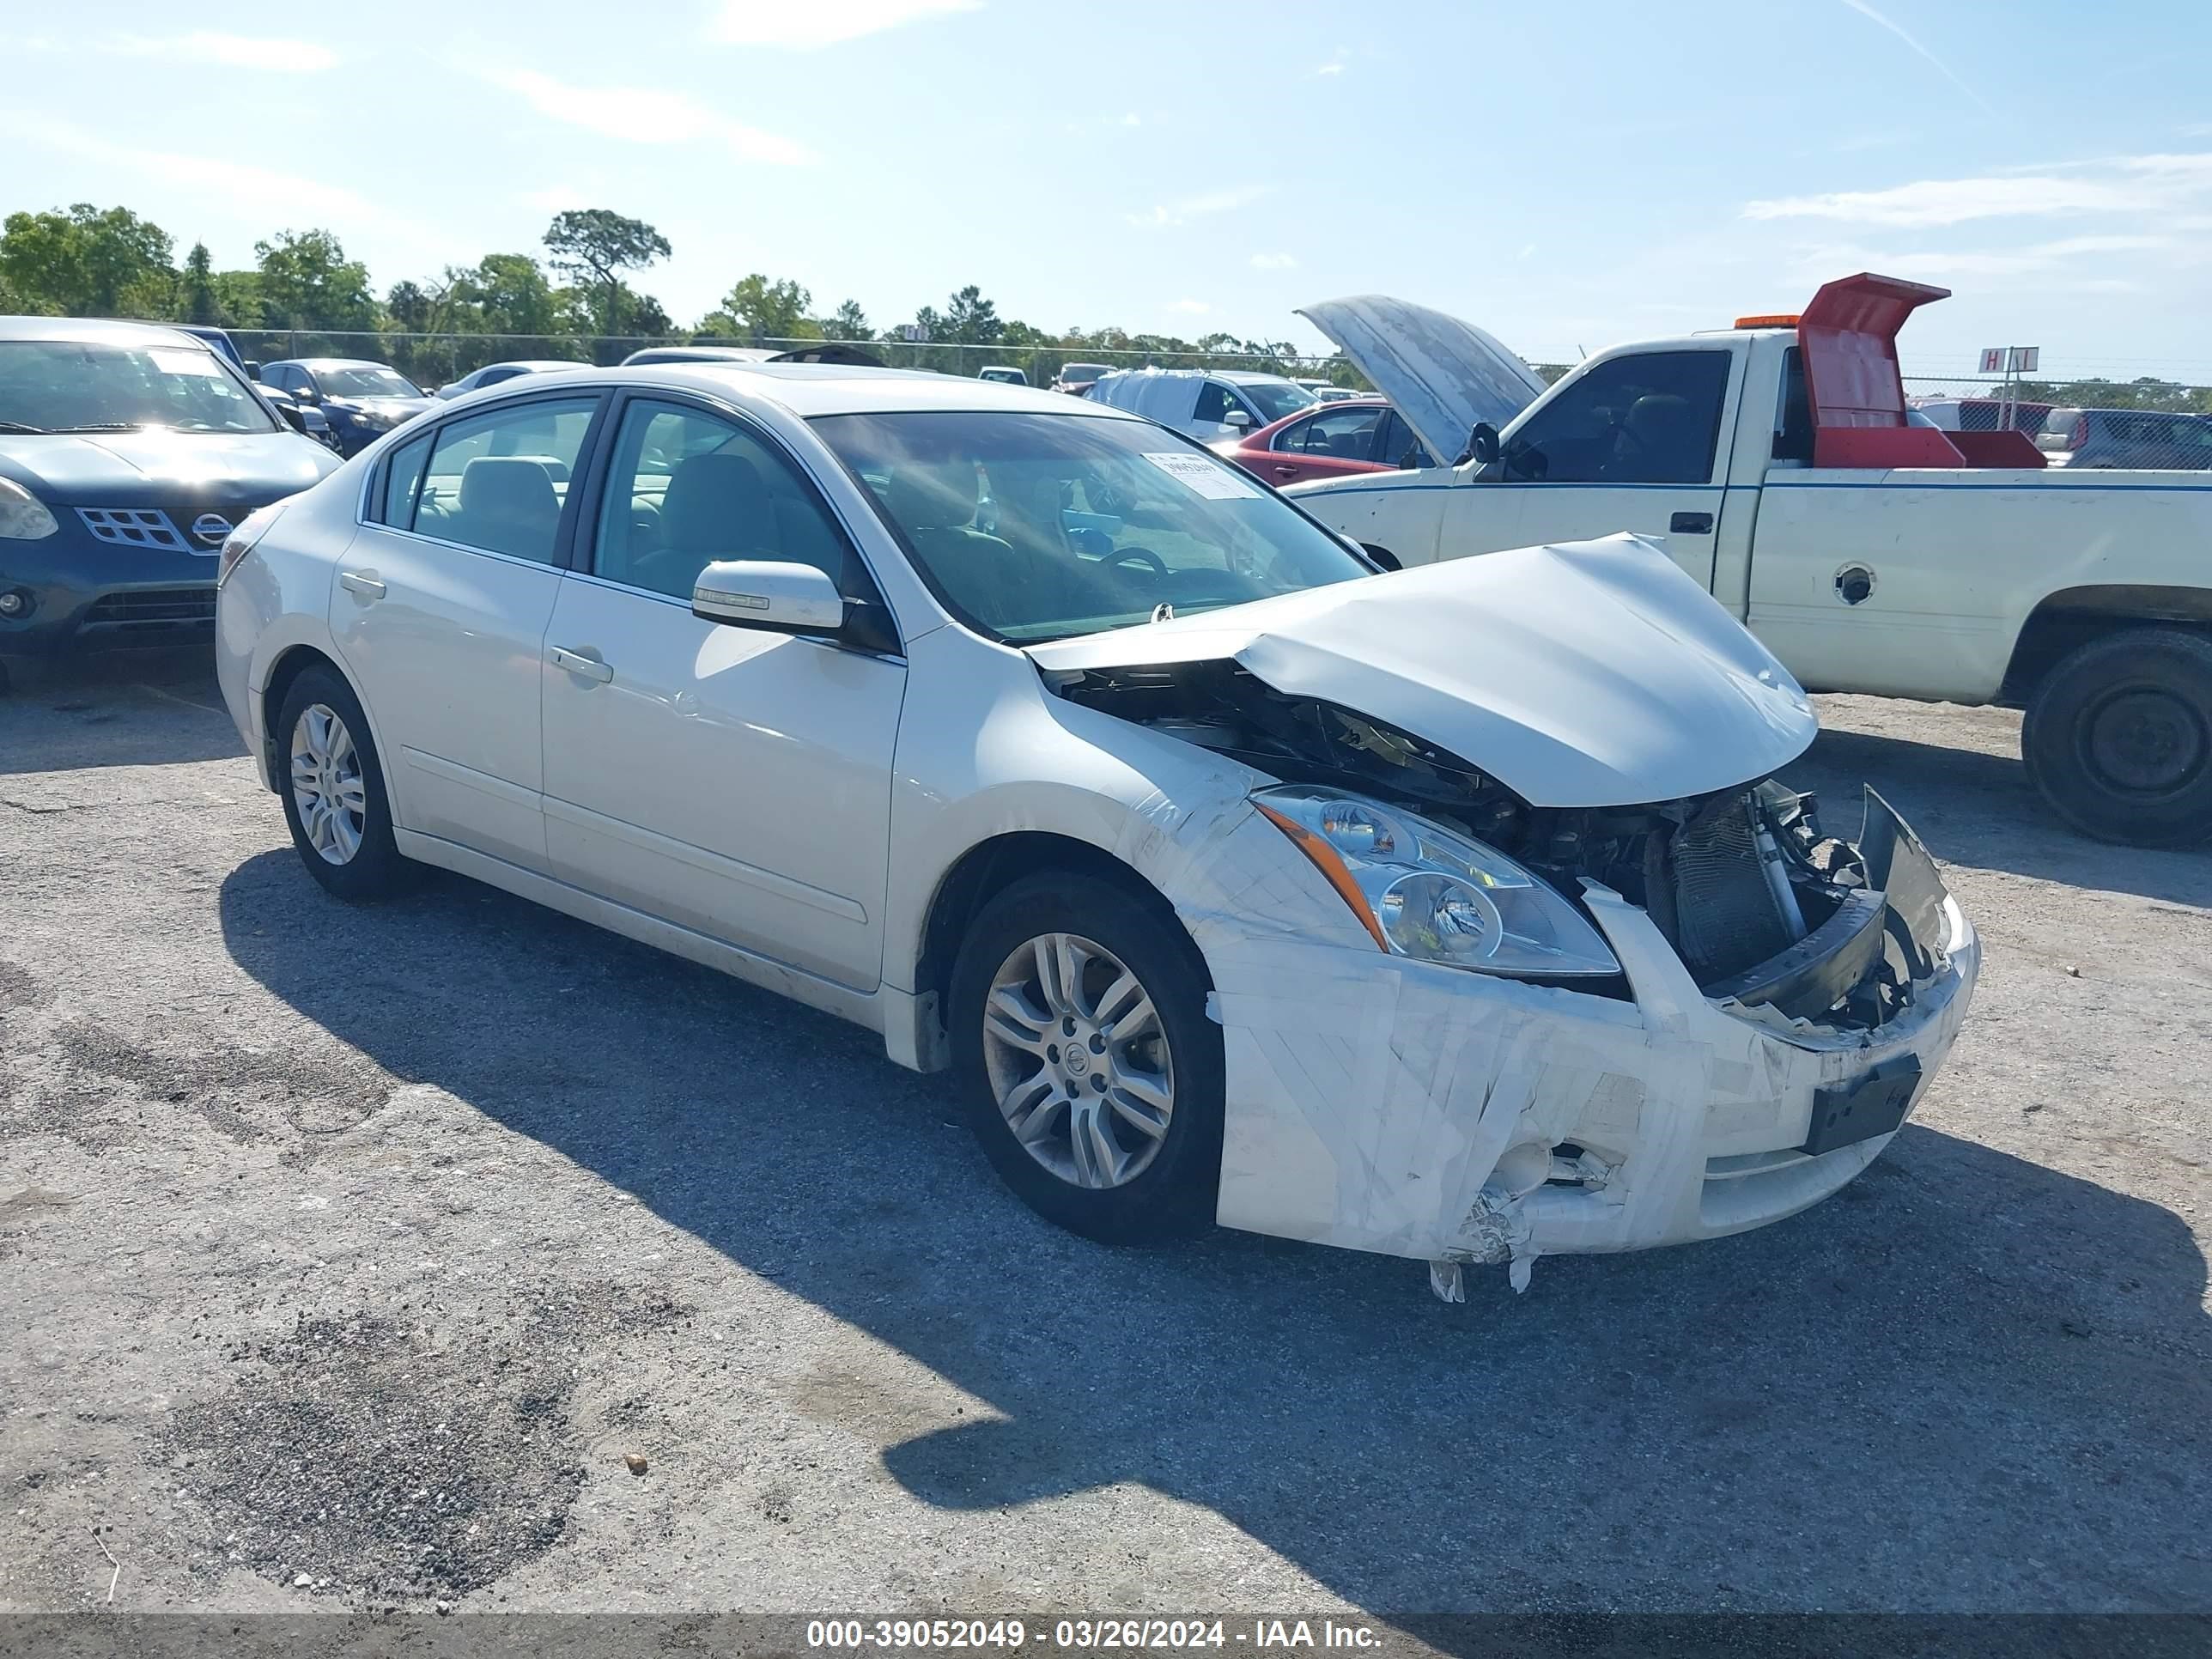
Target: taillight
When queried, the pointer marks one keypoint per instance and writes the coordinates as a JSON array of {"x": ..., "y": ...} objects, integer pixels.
[
  {"x": 2080, "y": 435},
  {"x": 241, "y": 541}
]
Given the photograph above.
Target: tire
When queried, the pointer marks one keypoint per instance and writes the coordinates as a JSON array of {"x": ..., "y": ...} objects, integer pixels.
[
  {"x": 2119, "y": 738},
  {"x": 350, "y": 852},
  {"x": 1172, "y": 1180}
]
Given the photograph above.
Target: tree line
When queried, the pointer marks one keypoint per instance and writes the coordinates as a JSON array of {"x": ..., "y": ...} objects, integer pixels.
[{"x": 580, "y": 300}]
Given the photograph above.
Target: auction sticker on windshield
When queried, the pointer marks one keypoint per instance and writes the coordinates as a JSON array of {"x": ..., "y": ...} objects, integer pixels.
[{"x": 1209, "y": 478}]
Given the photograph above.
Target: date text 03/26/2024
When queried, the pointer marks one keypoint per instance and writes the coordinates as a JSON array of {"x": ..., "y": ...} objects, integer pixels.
[{"x": 1085, "y": 1634}]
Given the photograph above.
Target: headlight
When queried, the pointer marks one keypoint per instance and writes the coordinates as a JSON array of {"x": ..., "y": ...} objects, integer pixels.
[
  {"x": 23, "y": 516},
  {"x": 241, "y": 541},
  {"x": 1428, "y": 893}
]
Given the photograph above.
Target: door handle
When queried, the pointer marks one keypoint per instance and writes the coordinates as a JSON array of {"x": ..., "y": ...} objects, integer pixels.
[
  {"x": 592, "y": 668},
  {"x": 1287, "y": 472},
  {"x": 362, "y": 584},
  {"x": 1690, "y": 524}
]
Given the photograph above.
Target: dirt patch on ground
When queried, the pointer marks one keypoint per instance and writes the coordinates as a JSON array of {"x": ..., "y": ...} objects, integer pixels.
[
  {"x": 242, "y": 1094},
  {"x": 372, "y": 1457}
]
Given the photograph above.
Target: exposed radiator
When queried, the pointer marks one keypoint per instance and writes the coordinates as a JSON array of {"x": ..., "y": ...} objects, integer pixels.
[{"x": 1726, "y": 915}]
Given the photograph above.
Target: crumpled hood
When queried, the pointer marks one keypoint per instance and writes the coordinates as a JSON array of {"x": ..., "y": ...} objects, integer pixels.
[
  {"x": 1585, "y": 674},
  {"x": 1441, "y": 374},
  {"x": 156, "y": 467}
]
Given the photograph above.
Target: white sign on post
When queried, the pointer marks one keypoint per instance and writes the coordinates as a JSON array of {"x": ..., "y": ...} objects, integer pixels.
[
  {"x": 2022, "y": 360},
  {"x": 1993, "y": 359}
]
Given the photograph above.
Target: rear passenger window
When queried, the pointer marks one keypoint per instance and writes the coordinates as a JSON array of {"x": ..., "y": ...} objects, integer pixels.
[
  {"x": 1213, "y": 403},
  {"x": 686, "y": 487},
  {"x": 402, "y": 476},
  {"x": 498, "y": 481}
]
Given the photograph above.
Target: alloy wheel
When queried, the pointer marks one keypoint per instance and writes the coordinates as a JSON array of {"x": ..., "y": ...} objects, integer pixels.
[
  {"x": 1077, "y": 1060},
  {"x": 326, "y": 784}
]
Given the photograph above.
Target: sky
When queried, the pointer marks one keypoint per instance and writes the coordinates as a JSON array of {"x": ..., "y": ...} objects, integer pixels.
[{"x": 1566, "y": 176}]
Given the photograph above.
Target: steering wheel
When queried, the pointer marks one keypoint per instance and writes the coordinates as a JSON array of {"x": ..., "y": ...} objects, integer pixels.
[{"x": 1143, "y": 556}]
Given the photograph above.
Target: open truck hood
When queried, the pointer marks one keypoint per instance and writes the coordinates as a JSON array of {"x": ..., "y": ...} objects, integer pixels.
[
  {"x": 1441, "y": 374},
  {"x": 1586, "y": 674}
]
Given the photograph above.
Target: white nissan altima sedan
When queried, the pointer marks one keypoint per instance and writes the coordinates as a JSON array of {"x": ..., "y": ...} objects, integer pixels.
[{"x": 1449, "y": 913}]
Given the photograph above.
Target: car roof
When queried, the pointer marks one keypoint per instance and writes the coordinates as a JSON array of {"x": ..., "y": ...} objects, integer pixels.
[
  {"x": 532, "y": 362},
  {"x": 806, "y": 389},
  {"x": 95, "y": 331}
]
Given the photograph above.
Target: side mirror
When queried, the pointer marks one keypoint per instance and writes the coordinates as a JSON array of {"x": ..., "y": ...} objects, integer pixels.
[
  {"x": 293, "y": 414},
  {"x": 1238, "y": 419},
  {"x": 783, "y": 597},
  {"x": 252, "y": 370},
  {"x": 307, "y": 394},
  {"x": 1482, "y": 443}
]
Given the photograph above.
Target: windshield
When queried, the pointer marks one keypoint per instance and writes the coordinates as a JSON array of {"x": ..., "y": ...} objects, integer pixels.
[
  {"x": 365, "y": 380},
  {"x": 78, "y": 385},
  {"x": 1035, "y": 527},
  {"x": 1276, "y": 399}
]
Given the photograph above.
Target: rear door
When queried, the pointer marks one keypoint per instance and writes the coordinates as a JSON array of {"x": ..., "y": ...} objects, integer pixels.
[
  {"x": 1633, "y": 443},
  {"x": 439, "y": 613}
]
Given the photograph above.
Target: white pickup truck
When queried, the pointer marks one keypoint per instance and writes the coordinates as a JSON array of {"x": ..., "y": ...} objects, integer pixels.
[{"x": 1869, "y": 553}]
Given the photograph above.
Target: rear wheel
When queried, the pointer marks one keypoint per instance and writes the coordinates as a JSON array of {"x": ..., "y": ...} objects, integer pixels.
[
  {"x": 1094, "y": 1077},
  {"x": 2119, "y": 738},
  {"x": 333, "y": 790}
]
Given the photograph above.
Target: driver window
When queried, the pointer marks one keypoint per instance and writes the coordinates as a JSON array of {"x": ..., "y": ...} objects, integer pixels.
[
  {"x": 1654, "y": 417},
  {"x": 686, "y": 487},
  {"x": 1343, "y": 435},
  {"x": 1213, "y": 403}
]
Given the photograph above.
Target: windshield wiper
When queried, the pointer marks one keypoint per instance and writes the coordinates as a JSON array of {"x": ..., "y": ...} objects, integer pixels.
[
  {"x": 103, "y": 426},
  {"x": 18, "y": 426}
]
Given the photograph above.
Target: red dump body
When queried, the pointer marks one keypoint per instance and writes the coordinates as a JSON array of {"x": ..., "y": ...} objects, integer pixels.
[{"x": 1848, "y": 337}]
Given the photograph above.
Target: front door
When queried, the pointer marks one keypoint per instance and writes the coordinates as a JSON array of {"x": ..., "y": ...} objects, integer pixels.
[
  {"x": 1334, "y": 443},
  {"x": 734, "y": 781},
  {"x": 439, "y": 612},
  {"x": 1634, "y": 444}
]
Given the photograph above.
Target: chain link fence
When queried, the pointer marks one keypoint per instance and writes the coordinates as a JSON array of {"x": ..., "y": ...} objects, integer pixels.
[{"x": 2090, "y": 421}]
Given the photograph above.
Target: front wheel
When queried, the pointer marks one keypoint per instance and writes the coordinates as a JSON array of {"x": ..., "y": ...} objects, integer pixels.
[
  {"x": 1094, "y": 1077},
  {"x": 333, "y": 790},
  {"x": 2119, "y": 738}
]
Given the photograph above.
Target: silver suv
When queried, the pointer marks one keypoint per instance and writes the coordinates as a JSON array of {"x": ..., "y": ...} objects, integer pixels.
[{"x": 1208, "y": 405}]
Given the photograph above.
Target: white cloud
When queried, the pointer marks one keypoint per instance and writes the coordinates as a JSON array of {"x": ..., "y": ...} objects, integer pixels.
[
  {"x": 275, "y": 196},
  {"x": 1274, "y": 262},
  {"x": 1167, "y": 213},
  {"x": 2072, "y": 265},
  {"x": 1335, "y": 65},
  {"x": 1527, "y": 249},
  {"x": 277, "y": 55},
  {"x": 806, "y": 24},
  {"x": 2128, "y": 183},
  {"x": 646, "y": 115},
  {"x": 1190, "y": 308},
  {"x": 1942, "y": 68}
]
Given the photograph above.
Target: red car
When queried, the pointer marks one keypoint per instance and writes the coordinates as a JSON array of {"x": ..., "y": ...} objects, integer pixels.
[{"x": 1327, "y": 441}]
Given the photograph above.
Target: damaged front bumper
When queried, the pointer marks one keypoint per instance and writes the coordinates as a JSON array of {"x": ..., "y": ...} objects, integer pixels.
[{"x": 1420, "y": 1110}]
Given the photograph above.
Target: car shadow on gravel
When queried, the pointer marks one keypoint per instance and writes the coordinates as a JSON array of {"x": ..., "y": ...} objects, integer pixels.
[
  {"x": 1967, "y": 1382},
  {"x": 1979, "y": 810},
  {"x": 122, "y": 710}
]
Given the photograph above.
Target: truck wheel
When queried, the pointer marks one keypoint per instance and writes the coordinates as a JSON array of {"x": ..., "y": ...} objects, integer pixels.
[{"x": 2119, "y": 738}]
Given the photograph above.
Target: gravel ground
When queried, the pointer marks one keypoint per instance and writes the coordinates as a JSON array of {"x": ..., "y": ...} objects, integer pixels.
[{"x": 452, "y": 1251}]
